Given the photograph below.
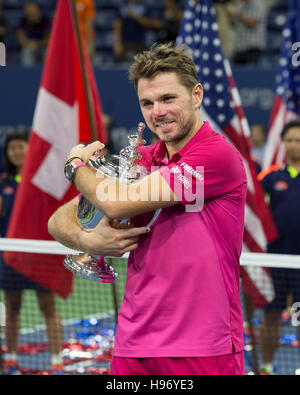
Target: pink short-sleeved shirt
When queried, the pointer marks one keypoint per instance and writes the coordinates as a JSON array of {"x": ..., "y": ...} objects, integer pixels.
[{"x": 182, "y": 296}]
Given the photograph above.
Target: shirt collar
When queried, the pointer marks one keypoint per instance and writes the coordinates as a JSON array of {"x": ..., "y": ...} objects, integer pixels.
[
  {"x": 160, "y": 150},
  {"x": 292, "y": 171}
]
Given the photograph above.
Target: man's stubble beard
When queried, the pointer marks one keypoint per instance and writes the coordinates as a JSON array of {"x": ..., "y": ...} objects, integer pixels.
[{"x": 183, "y": 133}]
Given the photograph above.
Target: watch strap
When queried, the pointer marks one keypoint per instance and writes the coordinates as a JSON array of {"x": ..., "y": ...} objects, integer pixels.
[
  {"x": 78, "y": 163},
  {"x": 71, "y": 159},
  {"x": 74, "y": 166}
]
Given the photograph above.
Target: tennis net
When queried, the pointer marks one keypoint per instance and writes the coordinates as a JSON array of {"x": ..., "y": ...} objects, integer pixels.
[{"x": 82, "y": 324}]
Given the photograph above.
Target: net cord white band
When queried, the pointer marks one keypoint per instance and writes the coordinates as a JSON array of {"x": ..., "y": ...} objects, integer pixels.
[{"x": 55, "y": 248}]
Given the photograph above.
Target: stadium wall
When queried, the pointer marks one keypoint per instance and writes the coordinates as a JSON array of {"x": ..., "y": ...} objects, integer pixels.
[{"x": 19, "y": 87}]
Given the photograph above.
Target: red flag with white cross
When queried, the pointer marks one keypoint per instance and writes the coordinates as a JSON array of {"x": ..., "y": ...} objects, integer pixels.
[{"x": 61, "y": 120}]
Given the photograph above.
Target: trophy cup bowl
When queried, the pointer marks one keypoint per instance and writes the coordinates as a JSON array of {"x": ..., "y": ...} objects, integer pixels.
[{"x": 125, "y": 168}]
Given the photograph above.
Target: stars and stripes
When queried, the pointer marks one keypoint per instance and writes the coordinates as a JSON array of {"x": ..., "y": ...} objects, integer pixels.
[
  {"x": 222, "y": 107},
  {"x": 199, "y": 31},
  {"x": 286, "y": 106}
]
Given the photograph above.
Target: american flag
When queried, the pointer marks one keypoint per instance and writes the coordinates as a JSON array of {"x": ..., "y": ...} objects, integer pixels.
[
  {"x": 223, "y": 109},
  {"x": 286, "y": 106}
]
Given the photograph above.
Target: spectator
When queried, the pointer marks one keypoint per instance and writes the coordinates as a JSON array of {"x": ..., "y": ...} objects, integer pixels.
[
  {"x": 14, "y": 283},
  {"x": 282, "y": 184},
  {"x": 225, "y": 24},
  {"x": 249, "y": 17},
  {"x": 109, "y": 124},
  {"x": 86, "y": 12},
  {"x": 138, "y": 21},
  {"x": 168, "y": 25},
  {"x": 129, "y": 30},
  {"x": 258, "y": 137},
  {"x": 33, "y": 34},
  {"x": 3, "y": 24}
]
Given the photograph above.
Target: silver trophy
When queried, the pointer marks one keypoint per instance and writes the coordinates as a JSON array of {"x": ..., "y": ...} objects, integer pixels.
[{"x": 125, "y": 167}]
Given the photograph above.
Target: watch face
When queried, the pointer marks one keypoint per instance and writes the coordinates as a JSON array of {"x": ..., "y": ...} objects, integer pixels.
[{"x": 69, "y": 172}]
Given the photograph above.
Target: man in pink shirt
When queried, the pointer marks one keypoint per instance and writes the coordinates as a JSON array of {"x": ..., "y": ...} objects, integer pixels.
[{"x": 181, "y": 312}]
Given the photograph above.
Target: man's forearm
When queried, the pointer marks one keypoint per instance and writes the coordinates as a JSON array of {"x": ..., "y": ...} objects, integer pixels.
[
  {"x": 63, "y": 225},
  {"x": 104, "y": 239},
  {"x": 120, "y": 201},
  {"x": 115, "y": 199}
]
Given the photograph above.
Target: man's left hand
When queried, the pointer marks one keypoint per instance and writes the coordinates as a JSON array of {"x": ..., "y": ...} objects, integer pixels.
[{"x": 85, "y": 152}]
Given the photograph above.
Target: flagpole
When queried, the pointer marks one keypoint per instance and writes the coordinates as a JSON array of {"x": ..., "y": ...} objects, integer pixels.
[
  {"x": 90, "y": 111},
  {"x": 87, "y": 91}
]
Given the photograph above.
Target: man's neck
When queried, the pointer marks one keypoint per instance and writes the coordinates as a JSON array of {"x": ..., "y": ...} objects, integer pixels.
[{"x": 172, "y": 148}]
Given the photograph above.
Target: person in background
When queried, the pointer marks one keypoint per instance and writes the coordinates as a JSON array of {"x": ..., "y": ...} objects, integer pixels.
[
  {"x": 281, "y": 183},
  {"x": 258, "y": 138},
  {"x": 249, "y": 17},
  {"x": 33, "y": 34},
  {"x": 167, "y": 26},
  {"x": 14, "y": 283},
  {"x": 3, "y": 23},
  {"x": 226, "y": 30},
  {"x": 86, "y": 12},
  {"x": 130, "y": 31},
  {"x": 109, "y": 124}
]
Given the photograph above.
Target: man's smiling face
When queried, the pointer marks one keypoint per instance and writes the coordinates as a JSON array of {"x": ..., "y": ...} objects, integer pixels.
[{"x": 169, "y": 108}]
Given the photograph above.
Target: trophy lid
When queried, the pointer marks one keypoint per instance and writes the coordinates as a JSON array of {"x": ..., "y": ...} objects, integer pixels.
[{"x": 125, "y": 165}]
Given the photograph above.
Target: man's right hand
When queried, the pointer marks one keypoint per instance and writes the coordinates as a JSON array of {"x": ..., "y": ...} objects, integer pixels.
[{"x": 106, "y": 240}]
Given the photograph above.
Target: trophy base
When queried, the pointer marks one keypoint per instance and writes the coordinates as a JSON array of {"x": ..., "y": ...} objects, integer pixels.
[{"x": 90, "y": 268}]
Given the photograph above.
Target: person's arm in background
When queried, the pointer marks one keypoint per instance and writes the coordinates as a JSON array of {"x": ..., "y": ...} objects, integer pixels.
[
  {"x": 90, "y": 35},
  {"x": 118, "y": 41},
  {"x": 44, "y": 41},
  {"x": 89, "y": 27},
  {"x": 22, "y": 39},
  {"x": 3, "y": 27},
  {"x": 238, "y": 16},
  {"x": 264, "y": 177},
  {"x": 146, "y": 22},
  {"x": 102, "y": 240}
]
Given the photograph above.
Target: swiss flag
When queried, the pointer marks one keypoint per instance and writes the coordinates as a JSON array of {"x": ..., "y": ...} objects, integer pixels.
[{"x": 61, "y": 120}]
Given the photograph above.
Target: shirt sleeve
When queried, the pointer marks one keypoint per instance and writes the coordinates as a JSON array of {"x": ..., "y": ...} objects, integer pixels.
[
  {"x": 205, "y": 174},
  {"x": 266, "y": 181}
]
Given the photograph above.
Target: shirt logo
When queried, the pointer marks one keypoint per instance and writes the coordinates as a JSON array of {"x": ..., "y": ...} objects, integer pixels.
[
  {"x": 192, "y": 171},
  {"x": 175, "y": 169},
  {"x": 8, "y": 190},
  {"x": 281, "y": 186},
  {"x": 187, "y": 185}
]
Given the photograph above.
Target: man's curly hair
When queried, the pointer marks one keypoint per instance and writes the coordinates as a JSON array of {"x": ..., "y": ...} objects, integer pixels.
[{"x": 164, "y": 58}]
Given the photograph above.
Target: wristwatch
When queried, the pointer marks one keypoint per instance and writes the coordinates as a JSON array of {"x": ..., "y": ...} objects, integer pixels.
[{"x": 70, "y": 169}]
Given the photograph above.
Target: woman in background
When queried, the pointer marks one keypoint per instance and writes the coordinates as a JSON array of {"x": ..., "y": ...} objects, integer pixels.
[{"x": 12, "y": 282}]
